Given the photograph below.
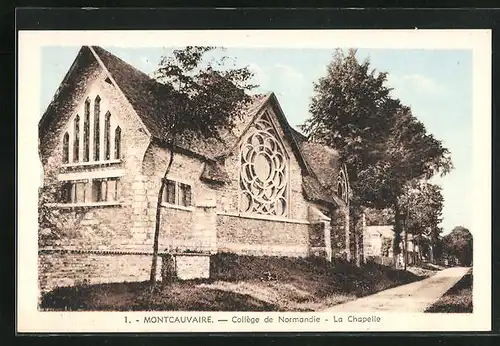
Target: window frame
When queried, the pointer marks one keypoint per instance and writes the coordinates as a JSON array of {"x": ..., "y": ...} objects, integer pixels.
[
  {"x": 178, "y": 185},
  {"x": 93, "y": 139},
  {"x": 69, "y": 192}
]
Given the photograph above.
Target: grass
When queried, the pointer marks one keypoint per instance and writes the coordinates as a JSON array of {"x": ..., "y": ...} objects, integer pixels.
[
  {"x": 240, "y": 283},
  {"x": 458, "y": 299}
]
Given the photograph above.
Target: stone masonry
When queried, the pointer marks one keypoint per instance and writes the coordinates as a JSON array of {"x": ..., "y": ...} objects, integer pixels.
[{"x": 93, "y": 243}]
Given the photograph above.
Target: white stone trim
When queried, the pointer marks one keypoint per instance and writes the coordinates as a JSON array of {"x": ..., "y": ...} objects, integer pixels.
[
  {"x": 110, "y": 173},
  {"x": 178, "y": 179},
  {"x": 264, "y": 217},
  {"x": 85, "y": 204},
  {"x": 176, "y": 206},
  {"x": 92, "y": 163}
]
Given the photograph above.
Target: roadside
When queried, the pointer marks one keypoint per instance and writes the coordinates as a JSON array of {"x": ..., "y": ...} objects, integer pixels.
[
  {"x": 457, "y": 299},
  {"x": 413, "y": 297},
  {"x": 243, "y": 283}
]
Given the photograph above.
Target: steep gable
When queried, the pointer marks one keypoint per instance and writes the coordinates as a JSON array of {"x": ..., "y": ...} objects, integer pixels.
[
  {"x": 320, "y": 165},
  {"x": 71, "y": 90},
  {"x": 269, "y": 103},
  {"x": 147, "y": 96}
]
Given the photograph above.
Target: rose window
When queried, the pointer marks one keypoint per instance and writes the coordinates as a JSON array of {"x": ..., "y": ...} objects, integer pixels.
[{"x": 264, "y": 171}]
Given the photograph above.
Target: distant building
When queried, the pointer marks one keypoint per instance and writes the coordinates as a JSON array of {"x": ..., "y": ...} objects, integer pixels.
[{"x": 378, "y": 245}]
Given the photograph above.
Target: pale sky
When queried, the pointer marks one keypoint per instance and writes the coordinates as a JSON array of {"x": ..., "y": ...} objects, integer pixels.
[{"x": 436, "y": 84}]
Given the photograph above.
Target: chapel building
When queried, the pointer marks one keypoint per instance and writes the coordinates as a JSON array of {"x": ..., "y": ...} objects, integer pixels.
[{"x": 265, "y": 190}]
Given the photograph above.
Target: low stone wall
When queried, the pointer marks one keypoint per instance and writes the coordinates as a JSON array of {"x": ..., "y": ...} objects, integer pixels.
[
  {"x": 258, "y": 237},
  {"x": 59, "y": 268},
  {"x": 187, "y": 266}
]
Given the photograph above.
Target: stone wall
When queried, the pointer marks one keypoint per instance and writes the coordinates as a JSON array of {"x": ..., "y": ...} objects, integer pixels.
[
  {"x": 339, "y": 234},
  {"x": 119, "y": 226},
  {"x": 68, "y": 268},
  {"x": 192, "y": 266},
  {"x": 182, "y": 228},
  {"x": 252, "y": 236}
]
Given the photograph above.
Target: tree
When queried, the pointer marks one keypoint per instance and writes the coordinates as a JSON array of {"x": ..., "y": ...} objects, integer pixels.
[
  {"x": 204, "y": 101},
  {"x": 412, "y": 155},
  {"x": 376, "y": 217},
  {"x": 383, "y": 145},
  {"x": 423, "y": 205},
  {"x": 348, "y": 112},
  {"x": 458, "y": 244}
]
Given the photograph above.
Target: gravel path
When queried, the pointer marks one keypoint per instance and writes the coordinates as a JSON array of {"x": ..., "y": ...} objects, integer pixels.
[{"x": 414, "y": 297}]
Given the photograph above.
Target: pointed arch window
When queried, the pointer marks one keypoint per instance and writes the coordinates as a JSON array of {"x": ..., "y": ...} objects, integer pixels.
[
  {"x": 86, "y": 130},
  {"x": 66, "y": 148},
  {"x": 76, "y": 142},
  {"x": 94, "y": 137},
  {"x": 107, "y": 141},
  {"x": 118, "y": 139},
  {"x": 264, "y": 171},
  {"x": 97, "y": 129},
  {"x": 342, "y": 186}
]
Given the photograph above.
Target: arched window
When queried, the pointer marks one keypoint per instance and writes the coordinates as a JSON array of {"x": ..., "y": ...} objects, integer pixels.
[
  {"x": 264, "y": 171},
  {"x": 118, "y": 139},
  {"x": 76, "y": 142},
  {"x": 97, "y": 129},
  {"x": 107, "y": 142},
  {"x": 86, "y": 129},
  {"x": 66, "y": 148}
]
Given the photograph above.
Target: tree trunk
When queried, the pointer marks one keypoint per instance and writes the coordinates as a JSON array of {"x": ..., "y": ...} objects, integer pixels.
[
  {"x": 347, "y": 230},
  {"x": 405, "y": 246},
  {"x": 152, "y": 277},
  {"x": 355, "y": 231}
]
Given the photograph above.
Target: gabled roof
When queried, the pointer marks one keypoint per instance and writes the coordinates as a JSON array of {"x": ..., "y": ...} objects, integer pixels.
[
  {"x": 147, "y": 96},
  {"x": 149, "y": 99}
]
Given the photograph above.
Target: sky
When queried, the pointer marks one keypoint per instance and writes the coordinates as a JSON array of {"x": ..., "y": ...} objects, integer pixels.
[{"x": 436, "y": 84}]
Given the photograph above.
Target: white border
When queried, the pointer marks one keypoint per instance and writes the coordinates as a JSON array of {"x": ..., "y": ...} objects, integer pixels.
[{"x": 29, "y": 319}]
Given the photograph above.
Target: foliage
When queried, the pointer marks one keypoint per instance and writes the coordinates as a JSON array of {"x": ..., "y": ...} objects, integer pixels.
[
  {"x": 386, "y": 246},
  {"x": 423, "y": 204},
  {"x": 348, "y": 112},
  {"x": 459, "y": 244},
  {"x": 54, "y": 224},
  {"x": 203, "y": 96},
  {"x": 204, "y": 100},
  {"x": 379, "y": 217},
  {"x": 383, "y": 145}
]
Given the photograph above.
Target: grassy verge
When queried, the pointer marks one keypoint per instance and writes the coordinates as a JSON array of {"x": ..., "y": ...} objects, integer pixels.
[
  {"x": 458, "y": 299},
  {"x": 240, "y": 283}
]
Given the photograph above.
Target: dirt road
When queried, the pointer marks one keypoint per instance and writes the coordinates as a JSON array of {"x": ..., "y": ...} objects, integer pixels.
[{"x": 414, "y": 297}]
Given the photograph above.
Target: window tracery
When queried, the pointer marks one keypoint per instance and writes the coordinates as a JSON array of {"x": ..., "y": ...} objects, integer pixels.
[{"x": 264, "y": 177}]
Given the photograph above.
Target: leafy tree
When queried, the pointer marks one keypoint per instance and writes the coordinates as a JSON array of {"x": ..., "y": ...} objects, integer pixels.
[
  {"x": 423, "y": 205},
  {"x": 459, "y": 245},
  {"x": 383, "y": 145},
  {"x": 379, "y": 217},
  {"x": 204, "y": 100},
  {"x": 349, "y": 113},
  {"x": 412, "y": 155}
]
